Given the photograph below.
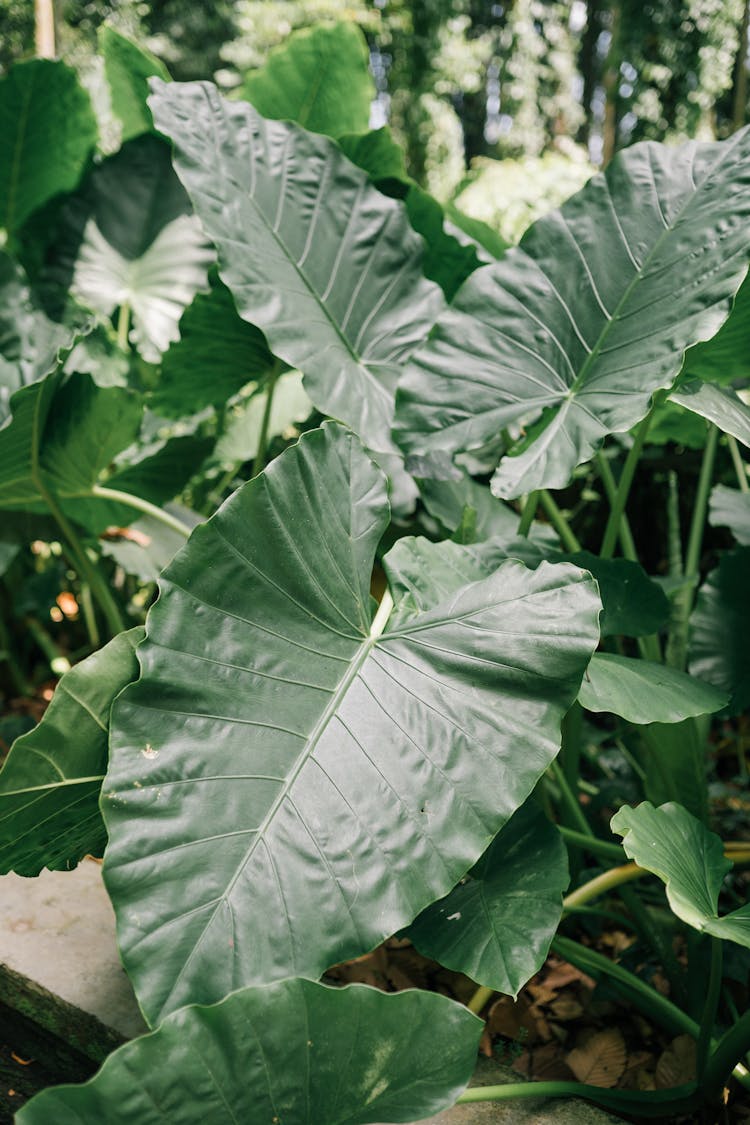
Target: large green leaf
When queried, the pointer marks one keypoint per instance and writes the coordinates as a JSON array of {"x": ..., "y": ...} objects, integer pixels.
[
  {"x": 30, "y": 343},
  {"x": 572, "y": 332},
  {"x": 47, "y": 133},
  {"x": 280, "y": 748},
  {"x": 319, "y": 78},
  {"x": 325, "y": 265},
  {"x": 688, "y": 859},
  {"x": 61, "y": 436},
  {"x": 295, "y": 1052},
  {"x": 633, "y": 605},
  {"x": 728, "y": 507},
  {"x": 128, "y": 238},
  {"x": 643, "y": 691},
  {"x": 49, "y": 785},
  {"x": 128, "y": 68},
  {"x": 719, "y": 628},
  {"x": 216, "y": 355},
  {"x": 496, "y": 925}
]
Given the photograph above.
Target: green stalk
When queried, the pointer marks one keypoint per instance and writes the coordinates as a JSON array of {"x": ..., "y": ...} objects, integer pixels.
[
  {"x": 89, "y": 617},
  {"x": 55, "y": 658},
  {"x": 569, "y": 800},
  {"x": 85, "y": 567},
  {"x": 732, "y": 1046},
  {"x": 610, "y": 487},
  {"x": 710, "y": 1008},
  {"x": 676, "y": 654},
  {"x": 259, "y": 461},
  {"x": 613, "y": 528},
  {"x": 558, "y": 521},
  {"x": 141, "y": 505},
  {"x": 739, "y": 464},
  {"x": 527, "y": 516},
  {"x": 600, "y": 884},
  {"x": 651, "y": 1103},
  {"x": 592, "y": 844},
  {"x": 123, "y": 327}
]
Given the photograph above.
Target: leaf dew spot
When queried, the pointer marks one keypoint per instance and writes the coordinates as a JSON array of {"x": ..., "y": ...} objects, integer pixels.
[{"x": 149, "y": 752}]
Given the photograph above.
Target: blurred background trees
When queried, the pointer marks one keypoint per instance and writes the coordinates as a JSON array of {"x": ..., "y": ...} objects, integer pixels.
[{"x": 558, "y": 85}]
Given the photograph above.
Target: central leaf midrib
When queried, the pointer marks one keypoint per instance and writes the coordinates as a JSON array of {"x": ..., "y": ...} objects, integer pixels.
[
  {"x": 300, "y": 273},
  {"x": 638, "y": 277}
]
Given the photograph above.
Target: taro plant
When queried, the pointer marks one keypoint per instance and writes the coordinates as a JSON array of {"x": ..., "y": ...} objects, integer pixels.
[{"x": 372, "y": 687}]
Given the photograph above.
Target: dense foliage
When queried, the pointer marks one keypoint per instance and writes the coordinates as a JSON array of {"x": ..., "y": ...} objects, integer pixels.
[{"x": 376, "y": 465}]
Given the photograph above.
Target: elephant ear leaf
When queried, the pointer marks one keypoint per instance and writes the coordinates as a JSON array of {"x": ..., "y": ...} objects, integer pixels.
[
  {"x": 49, "y": 785},
  {"x": 688, "y": 859},
  {"x": 570, "y": 334},
  {"x": 361, "y": 1053},
  {"x": 327, "y": 267},
  {"x": 354, "y": 771}
]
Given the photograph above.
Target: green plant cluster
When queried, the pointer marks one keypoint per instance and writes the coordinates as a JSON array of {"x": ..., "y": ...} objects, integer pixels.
[{"x": 379, "y": 672}]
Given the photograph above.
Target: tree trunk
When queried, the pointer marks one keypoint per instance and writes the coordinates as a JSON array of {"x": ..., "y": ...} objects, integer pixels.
[
  {"x": 44, "y": 28},
  {"x": 739, "y": 108}
]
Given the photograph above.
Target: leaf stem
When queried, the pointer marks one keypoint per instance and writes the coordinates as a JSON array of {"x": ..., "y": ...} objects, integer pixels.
[
  {"x": 259, "y": 460},
  {"x": 676, "y": 652},
  {"x": 613, "y": 528},
  {"x": 380, "y": 620},
  {"x": 528, "y": 513},
  {"x": 569, "y": 799},
  {"x": 651, "y": 1103},
  {"x": 558, "y": 521},
  {"x": 610, "y": 487},
  {"x": 141, "y": 505},
  {"x": 710, "y": 1008},
  {"x": 481, "y": 997},
  {"x": 123, "y": 327},
  {"x": 738, "y": 462},
  {"x": 592, "y": 844},
  {"x": 732, "y": 1046},
  {"x": 602, "y": 883}
]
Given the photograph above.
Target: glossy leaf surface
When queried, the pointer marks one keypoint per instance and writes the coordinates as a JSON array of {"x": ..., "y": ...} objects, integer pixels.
[
  {"x": 688, "y": 859},
  {"x": 278, "y": 751},
  {"x": 295, "y": 1052},
  {"x": 643, "y": 691},
  {"x": 572, "y": 332},
  {"x": 43, "y": 110},
  {"x": 496, "y": 926},
  {"x": 49, "y": 785},
  {"x": 319, "y": 77},
  {"x": 724, "y": 358},
  {"x": 719, "y": 628},
  {"x": 326, "y": 266}
]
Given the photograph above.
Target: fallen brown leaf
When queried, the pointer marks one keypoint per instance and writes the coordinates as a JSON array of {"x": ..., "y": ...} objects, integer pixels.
[
  {"x": 676, "y": 1064},
  {"x": 601, "y": 1062}
]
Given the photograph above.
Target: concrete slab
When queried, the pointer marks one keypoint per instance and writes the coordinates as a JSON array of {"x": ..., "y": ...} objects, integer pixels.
[{"x": 58, "y": 931}]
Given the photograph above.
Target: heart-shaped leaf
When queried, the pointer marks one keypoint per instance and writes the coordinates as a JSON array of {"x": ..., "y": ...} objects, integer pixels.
[
  {"x": 728, "y": 507},
  {"x": 319, "y": 77},
  {"x": 642, "y": 691},
  {"x": 719, "y": 628},
  {"x": 294, "y": 1052},
  {"x": 128, "y": 238},
  {"x": 497, "y": 924},
  {"x": 690, "y": 862},
  {"x": 49, "y": 785},
  {"x": 326, "y": 266},
  {"x": 281, "y": 747},
  {"x": 43, "y": 110},
  {"x": 575, "y": 352}
]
